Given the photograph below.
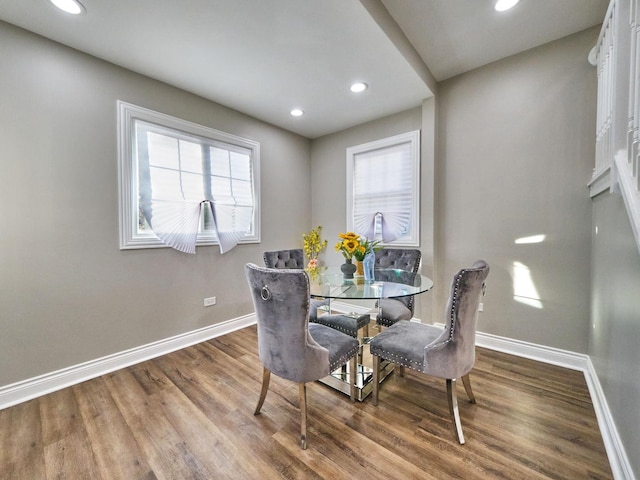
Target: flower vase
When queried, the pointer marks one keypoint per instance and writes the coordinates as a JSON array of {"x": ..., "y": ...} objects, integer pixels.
[
  {"x": 369, "y": 264},
  {"x": 348, "y": 269},
  {"x": 359, "y": 275}
]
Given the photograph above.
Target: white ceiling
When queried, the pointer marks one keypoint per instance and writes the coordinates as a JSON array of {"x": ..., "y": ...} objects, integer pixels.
[{"x": 264, "y": 57}]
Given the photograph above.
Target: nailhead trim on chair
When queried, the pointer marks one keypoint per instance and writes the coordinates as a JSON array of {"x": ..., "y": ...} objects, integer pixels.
[
  {"x": 343, "y": 359},
  {"x": 348, "y": 331},
  {"x": 340, "y": 329},
  {"x": 454, "y": 300},
  {"x": 358, "y": 323},
  {"x": 399, "y": 360}
]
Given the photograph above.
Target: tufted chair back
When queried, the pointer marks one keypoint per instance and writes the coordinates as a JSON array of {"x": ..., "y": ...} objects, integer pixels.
[
  {"x": 453, "y": 353},
  {"x": 407, "y": 259},
  {"x": 293, "y": 258}
]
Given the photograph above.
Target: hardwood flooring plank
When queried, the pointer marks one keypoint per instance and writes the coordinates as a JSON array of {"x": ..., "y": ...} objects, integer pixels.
[
  {"x": 214, "y": 447},
  {"x": 60, "y": 416},
  {"x": 71, "y": 458},
  {"x": 267, "y": 454},
  {"x": 21, "y": 447},
  {"x": 150, "y": 377},
  {"x": 163, "y": 448},
  {"x": 366, "y": 456},
  {"x": 114, "y": 447}
]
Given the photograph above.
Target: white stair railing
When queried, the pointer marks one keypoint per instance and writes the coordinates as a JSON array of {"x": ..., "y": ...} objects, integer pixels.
[
  {"x": 605, "y": 58},
  {"x": 633, "y": 135},
  {"x": 617, "y": 162}
]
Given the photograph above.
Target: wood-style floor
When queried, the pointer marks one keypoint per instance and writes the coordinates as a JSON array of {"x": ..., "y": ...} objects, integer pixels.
[{"x": 189, "y": 415}]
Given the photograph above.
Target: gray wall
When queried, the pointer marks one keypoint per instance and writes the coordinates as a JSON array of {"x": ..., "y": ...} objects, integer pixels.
[
  {"x": 615, "y": 318},
  {"x": 516, "y": 151},
  {"x": 328, "y": 185},
  {"x": 67, "y": 293}
]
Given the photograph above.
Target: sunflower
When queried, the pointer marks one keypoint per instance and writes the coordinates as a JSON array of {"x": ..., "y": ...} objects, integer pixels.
[{"x": 349, "y": 236}]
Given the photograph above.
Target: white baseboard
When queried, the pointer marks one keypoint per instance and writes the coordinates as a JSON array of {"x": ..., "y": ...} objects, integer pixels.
[
  {"x": 618, "y": 459},
  {"x": 342, "y": 307},
  {"x": 50, "y": 382},
  {"x": 34, "y": 387},
  {"x": 541, "y": 353}
]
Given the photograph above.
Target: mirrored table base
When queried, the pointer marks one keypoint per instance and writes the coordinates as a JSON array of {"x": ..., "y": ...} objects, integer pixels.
[{"x": 339, "y": 379}]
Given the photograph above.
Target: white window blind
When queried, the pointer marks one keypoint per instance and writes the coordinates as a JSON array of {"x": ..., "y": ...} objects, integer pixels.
[
  {"x": 188, "y": 185},
  {"x": 383, "y": 180}
]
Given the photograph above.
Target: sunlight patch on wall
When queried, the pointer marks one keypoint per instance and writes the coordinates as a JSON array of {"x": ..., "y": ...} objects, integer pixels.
[
  {"x": 531, "y": 239},
  {"x": 524, "y": 290}
]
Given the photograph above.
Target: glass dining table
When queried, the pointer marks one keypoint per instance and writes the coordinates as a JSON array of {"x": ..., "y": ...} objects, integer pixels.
[{"x": 329, "y": 283}]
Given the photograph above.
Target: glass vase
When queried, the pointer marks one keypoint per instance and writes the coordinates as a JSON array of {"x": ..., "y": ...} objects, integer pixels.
[{"x": 368, "y": 266}]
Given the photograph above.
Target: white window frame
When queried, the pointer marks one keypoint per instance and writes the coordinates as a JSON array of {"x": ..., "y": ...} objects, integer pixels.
[
  {"x": 130, "y": 236},
  {"x": 413, "y": 139}
]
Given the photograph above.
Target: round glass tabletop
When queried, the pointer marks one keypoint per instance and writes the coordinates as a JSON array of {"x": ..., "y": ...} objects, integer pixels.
[{"x": 388, "y": 283}]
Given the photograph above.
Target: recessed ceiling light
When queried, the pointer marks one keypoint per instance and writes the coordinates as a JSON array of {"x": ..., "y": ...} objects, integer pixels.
[
  {"x": 359, "y": 87},
  {"x": 296, "y": 112},
  {"x": 70, "y": 6},
  {"x": 502, "y": 5}
]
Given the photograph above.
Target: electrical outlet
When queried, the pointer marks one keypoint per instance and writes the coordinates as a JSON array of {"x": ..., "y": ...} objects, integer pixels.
[
  {"x": 481, "y": 309},
  {"x": 209, "y": 301}
]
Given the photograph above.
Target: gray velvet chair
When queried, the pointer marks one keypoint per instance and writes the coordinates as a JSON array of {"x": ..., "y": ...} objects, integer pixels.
[
  {"x": 290, "y": 346},
  {"x": 448, "y": 353},
  {"x": 349, "y": 324},
  {"x": 392, "y": 310}
]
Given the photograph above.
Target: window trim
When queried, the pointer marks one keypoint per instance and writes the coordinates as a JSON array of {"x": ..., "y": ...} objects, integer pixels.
[
  {"x": 128, "y": 173},
  {"x": 413, "y": 138}
]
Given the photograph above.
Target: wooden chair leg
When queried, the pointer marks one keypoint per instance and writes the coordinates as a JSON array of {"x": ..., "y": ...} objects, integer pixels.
[
  {"x": 400, "y": 370},
  {"x": 453, "y": 408},
  {"x": 302, "y": 388},
  {"x": 376, "y": 379},
  {"x": 353, "y": 377},
  {"x": 467, "y": 386},
  {"x": 266, "y": 376}
]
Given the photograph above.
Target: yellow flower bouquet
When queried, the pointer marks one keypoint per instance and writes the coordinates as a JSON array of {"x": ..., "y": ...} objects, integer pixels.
[
  {"x": 352, "y": 246},
  {"x": 312, "y": 246}
]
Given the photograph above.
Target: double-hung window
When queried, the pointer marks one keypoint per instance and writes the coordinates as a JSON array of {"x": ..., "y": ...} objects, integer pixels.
[
  {"x": 383, "y": 181},
  {"x": 183, "y": 184}
]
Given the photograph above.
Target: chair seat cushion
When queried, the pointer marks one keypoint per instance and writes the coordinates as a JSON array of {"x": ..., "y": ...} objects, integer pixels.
[
  {"x": 340, "y": 345},
  {"x": 392, "y": 312},
  {"x": 349, "y": 324},
  {"x": 403, "y": 343}
]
